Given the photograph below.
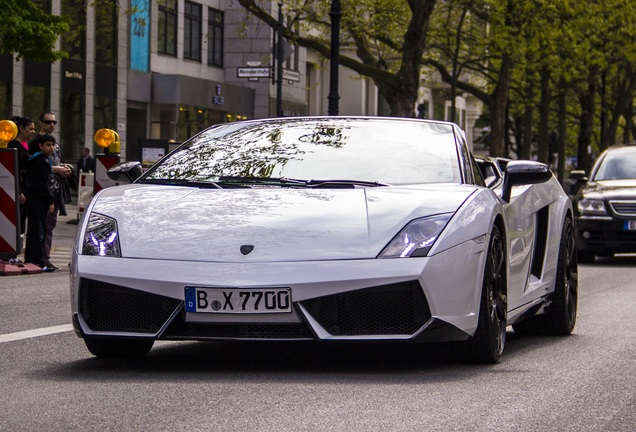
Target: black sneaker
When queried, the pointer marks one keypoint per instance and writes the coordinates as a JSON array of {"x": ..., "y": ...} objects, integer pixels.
[
  {"x": 51, "y": 266},
  {"x": 46, "y": 269}
]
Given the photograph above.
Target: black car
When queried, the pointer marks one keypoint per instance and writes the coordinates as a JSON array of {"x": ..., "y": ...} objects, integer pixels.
[{"x": 605, "y": 205}]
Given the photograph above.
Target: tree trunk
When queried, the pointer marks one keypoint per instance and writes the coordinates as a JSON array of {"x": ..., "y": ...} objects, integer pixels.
[
  {"x": 586, "y": 123},
  {"x": 563, "y": 127},
  {"x": 498, "y": 108},
  {"x": 524, "y": 148},
  {"x": 627, "y": 130},
  {"x": 544, "y": 116},
  {"x": 622, "y": 105}
]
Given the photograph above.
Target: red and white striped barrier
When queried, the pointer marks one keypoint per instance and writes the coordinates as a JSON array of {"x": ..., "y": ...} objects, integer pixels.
[
  {"x": 84, "y": 192},
  {"x": 9, "y": 206},
  {"x": 102, "y": 164}
]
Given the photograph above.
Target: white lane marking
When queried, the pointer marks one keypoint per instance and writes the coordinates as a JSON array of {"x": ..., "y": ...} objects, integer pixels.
[{"x": 9, "y": 337}]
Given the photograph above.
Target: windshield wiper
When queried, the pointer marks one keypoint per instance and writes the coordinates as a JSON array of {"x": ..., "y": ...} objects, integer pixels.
[
  {"x": 344, "y": 183},
  {"x": 275, "y": 181},
  {"x": 181, "y": 182},
  {"x": 238, "y": 181}
]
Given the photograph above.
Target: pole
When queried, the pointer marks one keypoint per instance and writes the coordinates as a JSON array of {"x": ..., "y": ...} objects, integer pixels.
[
  {"x": 336, "y": 14},
  {"x": 279, "y": 63}
]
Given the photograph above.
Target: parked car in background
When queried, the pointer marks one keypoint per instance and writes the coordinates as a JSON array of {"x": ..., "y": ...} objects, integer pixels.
[
  {"x": 605, "y": 205},
  {"x": 325, "y": 229}
]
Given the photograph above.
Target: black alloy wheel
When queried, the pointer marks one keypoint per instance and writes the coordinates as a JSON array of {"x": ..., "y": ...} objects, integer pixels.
[
  {"x": 560, "y": 318},
  {"x": 487, "y": 344}
]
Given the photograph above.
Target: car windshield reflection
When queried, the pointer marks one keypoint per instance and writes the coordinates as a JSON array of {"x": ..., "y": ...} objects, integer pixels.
[{"x": 324, "y": 151}]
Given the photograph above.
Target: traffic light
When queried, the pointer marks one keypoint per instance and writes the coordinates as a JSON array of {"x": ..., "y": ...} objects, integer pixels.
[{"x": 108, "y": 139}]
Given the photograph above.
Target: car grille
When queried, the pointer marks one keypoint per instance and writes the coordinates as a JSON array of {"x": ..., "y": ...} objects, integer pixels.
[
  {"x": 626, "y": 237},
  {"x": 624, "y": 208},
  {"x": 112, "y": 308},
  {"x": 396, "y": 309}
]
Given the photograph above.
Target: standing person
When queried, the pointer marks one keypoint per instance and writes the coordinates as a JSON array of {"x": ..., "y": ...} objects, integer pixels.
[
  {"x": 47, "y": 127},
  {"x": 26, "y": 131},
  {"x": 39, "y": 189},
  {"x": 86, "y": 163}
]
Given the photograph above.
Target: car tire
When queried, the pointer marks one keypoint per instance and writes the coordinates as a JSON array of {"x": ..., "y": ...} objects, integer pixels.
[
  {"x": 487, "y": 344},
  {"x": 118, "y": 348},
  {"x": 586, "y": 257},
  {"x": 560, "y": 318}
]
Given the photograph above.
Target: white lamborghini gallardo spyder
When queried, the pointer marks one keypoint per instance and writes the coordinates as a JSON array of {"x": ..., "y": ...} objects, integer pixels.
[{"x": 325, "y": 229}]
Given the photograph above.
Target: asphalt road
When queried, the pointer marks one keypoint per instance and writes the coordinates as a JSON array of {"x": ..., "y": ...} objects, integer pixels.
[{"x": 584, "y": 382}]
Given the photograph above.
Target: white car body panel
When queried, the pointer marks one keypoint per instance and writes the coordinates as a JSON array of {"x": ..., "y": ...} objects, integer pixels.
[{"x": 183, "y": 223}]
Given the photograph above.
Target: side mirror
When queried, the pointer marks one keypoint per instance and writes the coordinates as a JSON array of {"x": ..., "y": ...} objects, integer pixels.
[
  {"x": 578, "y": 175},
  {"x": 523, "y": 173},
  {"x": 125, "y": 172}
]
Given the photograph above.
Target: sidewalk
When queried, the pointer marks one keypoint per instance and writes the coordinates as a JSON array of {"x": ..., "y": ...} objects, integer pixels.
[{"x": 63, "y": 237}]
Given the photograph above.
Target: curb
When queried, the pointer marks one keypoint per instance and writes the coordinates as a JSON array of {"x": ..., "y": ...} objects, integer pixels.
[{"x": 16, "y": 269}]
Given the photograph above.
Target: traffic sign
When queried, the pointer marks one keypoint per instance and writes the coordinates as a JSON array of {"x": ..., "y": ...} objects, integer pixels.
[
  {"x": 291, "y": 75},
  {"x": 253, "y": 72}
]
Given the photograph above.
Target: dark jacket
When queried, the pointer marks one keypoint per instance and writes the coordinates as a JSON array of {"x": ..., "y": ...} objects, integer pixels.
[
  {"x": 23, "y": 159},
  {"x": 85, "y": 165},
  {"x": 39, "y": 179}
]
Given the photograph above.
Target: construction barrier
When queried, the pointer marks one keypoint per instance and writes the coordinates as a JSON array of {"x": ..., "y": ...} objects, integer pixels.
[
  {"x": 84, "y": 192},
  {"x": 10, "y": 241},
  {"x": 102, "y": 164}
]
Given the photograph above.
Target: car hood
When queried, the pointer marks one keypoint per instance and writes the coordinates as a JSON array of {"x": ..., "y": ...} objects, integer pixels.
[
  {"x": 183, "y": 223},
  {"x": 612, "y": 189}
]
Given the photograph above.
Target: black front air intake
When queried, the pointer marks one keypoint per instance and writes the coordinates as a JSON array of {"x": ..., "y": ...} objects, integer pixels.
[
  {"x": 113, "y": 308},
  {"x": 396, "y": 309},
  {"x": 179, "y": 329}
]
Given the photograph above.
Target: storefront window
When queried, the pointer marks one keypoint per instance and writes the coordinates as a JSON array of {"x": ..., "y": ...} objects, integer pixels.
[
  {"x": 6, "y": 78},
  {"x": 5, "y": 100},
  {"x": 105, "y": 113},
  {"x": 191, "y": 121},
  {"x": 71, "y": 126}
]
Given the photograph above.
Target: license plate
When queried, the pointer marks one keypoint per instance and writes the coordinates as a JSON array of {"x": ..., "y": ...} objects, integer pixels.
[
  {"x": 630, "y": 225},
  {"x": 237, "y": 300}
]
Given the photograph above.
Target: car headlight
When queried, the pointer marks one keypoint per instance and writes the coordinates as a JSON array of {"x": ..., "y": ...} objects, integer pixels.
[
  {"x": 591, "y": 206},
  {"x": 417, "y": 238},
  {"x": 101, "y": 237}
]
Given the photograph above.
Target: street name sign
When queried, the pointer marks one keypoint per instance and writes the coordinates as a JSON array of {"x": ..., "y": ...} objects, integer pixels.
[{"x": 254, "y": 72}]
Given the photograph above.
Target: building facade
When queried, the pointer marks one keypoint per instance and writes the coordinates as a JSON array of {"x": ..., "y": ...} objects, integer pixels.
[{"x": 157, "y": 72}]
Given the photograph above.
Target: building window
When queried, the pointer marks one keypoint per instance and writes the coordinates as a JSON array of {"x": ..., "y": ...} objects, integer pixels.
[
  {"x": 106, "y": 32},
  {"x": 192, "y": 31},
  {"x": 72, "y": 118},
  {"x": 36, "y": 100},
  {"x": 215, "y": 37},
  {"x": 167, "y": 28},
  {"x": 74, "y": 41},
  {"x": 105, "y": 112}
]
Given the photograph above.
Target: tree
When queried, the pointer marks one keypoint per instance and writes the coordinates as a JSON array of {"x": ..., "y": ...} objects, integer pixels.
[
  {"x": 387, "y": 36},
  {"x": 29, "y": 32}
]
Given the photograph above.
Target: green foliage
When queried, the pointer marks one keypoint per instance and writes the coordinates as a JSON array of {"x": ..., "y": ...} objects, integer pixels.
[
  {"x": 379, "y": 39},
  {"x": 29, "y": 32}
]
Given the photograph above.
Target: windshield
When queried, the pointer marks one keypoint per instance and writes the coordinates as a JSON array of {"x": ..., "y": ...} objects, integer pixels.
[
  {"x": 372, "y": 150},
  {"x": 617, "y": 165}
]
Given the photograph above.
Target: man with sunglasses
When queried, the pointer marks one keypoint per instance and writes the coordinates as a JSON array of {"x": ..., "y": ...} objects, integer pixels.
[{"x": 47, "y": 127}]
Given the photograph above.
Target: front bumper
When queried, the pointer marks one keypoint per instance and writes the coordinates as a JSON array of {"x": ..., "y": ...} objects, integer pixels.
[
  {"x": 606, "y": 234},
  {"x": 415, "y": 299}
]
